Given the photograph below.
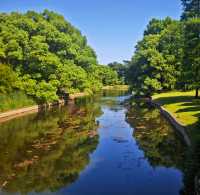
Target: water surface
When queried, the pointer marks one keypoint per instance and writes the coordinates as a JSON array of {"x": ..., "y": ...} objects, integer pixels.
[{"x": 94, "y": 147}]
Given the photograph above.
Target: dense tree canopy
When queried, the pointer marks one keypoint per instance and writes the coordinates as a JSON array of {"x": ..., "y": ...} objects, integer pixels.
[
  {"x": 46, "y": 55},
  {"x": 168, "y": 56},
  {"x": 121, "y": 69},
  {"x": 191, "y": 8},
  {"x": 191, "y": 22},
  {"x": 155, "y": 65}
]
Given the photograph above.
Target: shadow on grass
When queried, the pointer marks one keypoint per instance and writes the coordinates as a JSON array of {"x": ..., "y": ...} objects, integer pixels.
[
  {"x": 189, "y": 109},
  {"x": 174, "y": 99},
  {"x": 187, "y": 104},
  {"x": 195, "y": 129},
  {"x": 191, "y": 103},
  {"x": 193, "y": 109}
]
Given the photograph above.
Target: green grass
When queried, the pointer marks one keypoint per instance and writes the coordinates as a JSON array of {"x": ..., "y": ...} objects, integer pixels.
[
  {"x": 117, "y": 87},
  {"x": 184, "y": 107},
  {"x": 15, "y": 100}
]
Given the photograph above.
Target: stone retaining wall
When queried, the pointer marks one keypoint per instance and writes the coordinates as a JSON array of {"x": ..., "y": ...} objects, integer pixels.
[{"x": 176, "y": 124}]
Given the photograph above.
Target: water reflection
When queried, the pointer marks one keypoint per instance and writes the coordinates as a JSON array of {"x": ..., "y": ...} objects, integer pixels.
[
  {"x": 59, "y": 151},
  {"x": 47, "y": 151},
  {"x": 155, "y": 136},
  {"x": 118, "y": 165}
]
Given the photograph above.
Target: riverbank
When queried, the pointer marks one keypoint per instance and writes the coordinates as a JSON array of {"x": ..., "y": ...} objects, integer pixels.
[
  {"x": 65, "y": 139},
  {"x": 116, "y": 87},
  {"x": 78, "y": 95},
  {"x": 180, "y": 128},
  {"x": 15, "y": 100},
  {"x": 33, "y": 108},
  {"x": 184, "y": 108},
  {"x": 8, "y": 115},
  {"x": 14, "y": 113}
]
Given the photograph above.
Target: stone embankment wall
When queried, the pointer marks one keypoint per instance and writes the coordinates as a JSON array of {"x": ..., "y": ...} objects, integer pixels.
[{"x": 181, "y": 129}]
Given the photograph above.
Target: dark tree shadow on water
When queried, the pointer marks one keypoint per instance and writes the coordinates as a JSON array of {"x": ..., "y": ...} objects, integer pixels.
[
  {"x": 191, "y": 168},
  {"x": 190, "y": 162}
]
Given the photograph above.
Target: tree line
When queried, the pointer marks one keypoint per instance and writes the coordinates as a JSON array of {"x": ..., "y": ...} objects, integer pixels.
[
  {"x": 168, "y": 56},
  {"x": 44, "y": 56}
]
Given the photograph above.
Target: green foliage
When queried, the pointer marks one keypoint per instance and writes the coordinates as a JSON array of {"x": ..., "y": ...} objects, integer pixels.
[
  {"x": 192, "y": 53},
  {"x": 168, "y": 57},
  {"x": 108, "y": 76},
  {"x": 191, "y": 9},
  {"x": 48, "y": 55},
  {"x": 72, "y": 77},
  {"x": 191, "y": 20},
  {"x": 156, "y": 64},
  {"x": 46, "y": 92},
  {"x": 156, "y": 26},
  {"x": 7, "y": 79},
  {"x": 121, "y": 70}
]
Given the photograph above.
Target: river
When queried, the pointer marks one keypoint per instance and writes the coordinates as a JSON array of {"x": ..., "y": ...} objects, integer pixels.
[{"x": 93, "y": 147}]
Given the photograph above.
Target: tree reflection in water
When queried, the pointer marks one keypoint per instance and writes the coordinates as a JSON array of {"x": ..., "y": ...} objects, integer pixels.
[
  {"x": 46, "y": 151},
  {"x": 162, "y": 147},
  {"x": 156, "y": 137}
]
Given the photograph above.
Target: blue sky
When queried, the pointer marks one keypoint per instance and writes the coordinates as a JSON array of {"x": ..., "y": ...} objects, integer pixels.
[{"x": 112, "y": 27}]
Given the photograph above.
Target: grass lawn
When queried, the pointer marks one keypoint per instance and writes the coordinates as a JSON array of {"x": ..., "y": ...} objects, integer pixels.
[
  {"x": 184, "y": 107},
  {"x": 116, "y": 87}
]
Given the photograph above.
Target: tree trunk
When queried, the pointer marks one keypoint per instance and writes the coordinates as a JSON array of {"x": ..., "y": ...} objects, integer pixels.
[{"x": 197, "y": 93}]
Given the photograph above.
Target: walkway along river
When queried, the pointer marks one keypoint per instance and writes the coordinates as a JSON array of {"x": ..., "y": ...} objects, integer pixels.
[{"x": 94, "y": 147}]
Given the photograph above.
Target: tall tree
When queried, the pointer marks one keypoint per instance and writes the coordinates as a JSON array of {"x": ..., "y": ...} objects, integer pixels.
[
  {"x": 121, "y": 70},
  {"x": 191, "y": 20},
  {"x": 192, "y": 54},
  {"x": 191, "y": 9},
  {"x": 155, "y": 65}
]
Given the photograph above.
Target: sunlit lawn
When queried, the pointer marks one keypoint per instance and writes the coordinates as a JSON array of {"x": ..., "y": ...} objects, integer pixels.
[{"x": 183, "y": 106}]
